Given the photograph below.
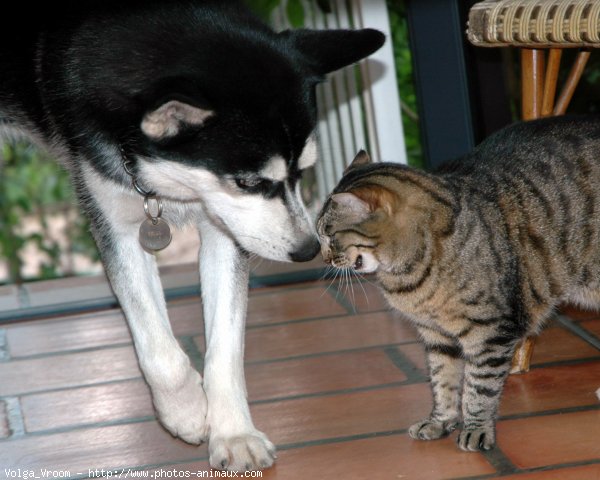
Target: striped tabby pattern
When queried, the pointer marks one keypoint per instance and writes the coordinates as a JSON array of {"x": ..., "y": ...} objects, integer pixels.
[{"x": 476, "y": 255}]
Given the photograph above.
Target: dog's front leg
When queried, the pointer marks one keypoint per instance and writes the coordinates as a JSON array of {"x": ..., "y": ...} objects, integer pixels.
[
  {"x": 234, "y": 443},
  {"x": 176, "y": 387},
  {"x": 177, "y": 392}
]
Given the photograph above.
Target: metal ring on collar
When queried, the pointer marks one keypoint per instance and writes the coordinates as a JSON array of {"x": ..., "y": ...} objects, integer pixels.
[
  {"x": 127, "y": 163},
  {"x": 140, "y": 190},
  {"x": 147, "y": 208},
  {"x": 127, "y": 166}
]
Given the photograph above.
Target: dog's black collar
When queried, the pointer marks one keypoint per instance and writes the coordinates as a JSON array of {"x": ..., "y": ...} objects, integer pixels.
[
  {"x": 154, "y": 232},
  {"x": 128, "y": 163}
]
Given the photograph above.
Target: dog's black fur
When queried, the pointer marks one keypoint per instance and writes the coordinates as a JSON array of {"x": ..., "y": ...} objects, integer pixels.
[{"x": 88, "y": 72}]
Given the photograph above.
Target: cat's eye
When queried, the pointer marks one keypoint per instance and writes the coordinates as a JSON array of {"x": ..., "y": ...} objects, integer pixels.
[{"x": 358, "y": 263}]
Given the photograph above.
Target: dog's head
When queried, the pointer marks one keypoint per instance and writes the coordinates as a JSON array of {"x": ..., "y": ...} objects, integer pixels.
[{"x": 228, "y": 116}]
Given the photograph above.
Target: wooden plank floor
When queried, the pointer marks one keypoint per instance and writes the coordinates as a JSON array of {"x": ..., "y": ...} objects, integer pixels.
[{"x": 335, "y": 380}]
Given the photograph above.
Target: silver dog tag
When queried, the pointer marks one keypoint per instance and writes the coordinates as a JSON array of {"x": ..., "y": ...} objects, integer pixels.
[{"x": 155, "y": 234}]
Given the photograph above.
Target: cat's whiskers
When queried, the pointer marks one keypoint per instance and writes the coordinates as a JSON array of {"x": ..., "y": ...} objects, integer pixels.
[
  {"x": 360, "y": 278},
  {"x": 351, "y": 283},
  {"x": 343, "y": 286},
  {"x": 329, "y": 272},
  {"x": 349, "y": 286},
  {"x": 363, "y": 278},
  {"x": 255, "y": 261},
  {"x": 346, "y": 284},
  {"x": 336, "y": 279}
]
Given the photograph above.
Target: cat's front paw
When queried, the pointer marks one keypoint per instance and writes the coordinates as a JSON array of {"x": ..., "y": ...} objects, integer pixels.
[
  {"x": 430, "y": 429},
  {"x": 473, "y": 439}
]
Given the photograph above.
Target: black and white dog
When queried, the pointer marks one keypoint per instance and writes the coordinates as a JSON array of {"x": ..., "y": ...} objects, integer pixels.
[{"x": 211, "y": 114}]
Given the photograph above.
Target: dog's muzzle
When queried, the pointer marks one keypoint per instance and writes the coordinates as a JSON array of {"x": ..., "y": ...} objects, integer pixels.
[{"x": 307, "y": 251}]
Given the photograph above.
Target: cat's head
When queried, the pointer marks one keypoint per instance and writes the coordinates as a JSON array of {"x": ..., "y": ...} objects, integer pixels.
[
  {"x": 349, "y": 225},
  {"x": 380, "y": 218}
]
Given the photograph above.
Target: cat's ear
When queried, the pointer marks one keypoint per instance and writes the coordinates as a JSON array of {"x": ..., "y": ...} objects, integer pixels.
[
  {"x": 171, "y": 118},
  {"x": 351, "y": 202},
  {"x": 361, "y": 158},
  {"x": 377, "y": 198}
]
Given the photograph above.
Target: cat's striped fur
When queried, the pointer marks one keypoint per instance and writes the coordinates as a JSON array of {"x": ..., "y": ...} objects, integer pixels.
[{"x": 476, "y": 255}]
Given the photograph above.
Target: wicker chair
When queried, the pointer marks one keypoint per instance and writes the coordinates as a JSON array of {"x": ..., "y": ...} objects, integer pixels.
[{"x": 541, "y": 29}]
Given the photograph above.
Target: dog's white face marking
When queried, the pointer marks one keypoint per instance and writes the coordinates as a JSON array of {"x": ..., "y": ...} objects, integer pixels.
[
  {"x": 167, "y": 120},
  {"x": 264, "y": 226},
  {"x": 275, "y": 169},
  {"x": 268, "y": 227},
  {"x": 309, "y": 154},
  {"x": 177, "y": 181}
]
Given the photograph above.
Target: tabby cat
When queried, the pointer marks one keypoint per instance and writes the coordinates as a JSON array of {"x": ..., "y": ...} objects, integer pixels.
[{"x": 477, "y": 255}]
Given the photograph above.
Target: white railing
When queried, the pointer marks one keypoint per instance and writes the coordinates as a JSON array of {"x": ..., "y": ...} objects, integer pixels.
[{"x": 359, "y": 107}]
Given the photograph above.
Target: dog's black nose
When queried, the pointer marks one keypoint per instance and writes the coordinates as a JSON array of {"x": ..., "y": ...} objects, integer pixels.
[{"x": 307, "y": 251}]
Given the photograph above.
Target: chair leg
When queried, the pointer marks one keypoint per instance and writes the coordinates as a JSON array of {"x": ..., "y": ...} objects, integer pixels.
[
  {"x": 522, "y": 356},
  {"x": 533, "y": 87},
  {"x": 532, "y": 82},
  {"x": 550, "y": 81},
  {"x": 573, "y": 79}
]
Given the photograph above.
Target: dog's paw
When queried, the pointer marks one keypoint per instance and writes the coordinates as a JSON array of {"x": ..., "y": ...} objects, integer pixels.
[
  {"x": 473, "y": 439},
  {"x": 429, "y": 429},
  {"x": 241, "y": 453},
  {"x": 182, "y": 411}
]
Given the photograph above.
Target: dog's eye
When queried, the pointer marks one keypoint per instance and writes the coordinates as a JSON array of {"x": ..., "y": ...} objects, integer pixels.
[
  {"x": 257, "y": 185},
  {"x": 248, "y": 183}
]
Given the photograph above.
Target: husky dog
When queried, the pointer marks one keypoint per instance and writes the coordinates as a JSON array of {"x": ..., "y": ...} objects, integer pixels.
[{"x": 211, "y": 114}]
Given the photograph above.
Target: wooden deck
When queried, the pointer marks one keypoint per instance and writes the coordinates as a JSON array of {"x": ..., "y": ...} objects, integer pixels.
[{"x": 335, "y": 382}]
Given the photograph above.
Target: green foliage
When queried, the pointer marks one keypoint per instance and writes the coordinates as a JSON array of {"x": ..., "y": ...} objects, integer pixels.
[
  {"x": 404, "y": 74},
  {"x": 295, "y": 13},
  {"x": 32, "y": 184},
  {"x": 263, "y": 8},
  {"x": 293, "y": 9}
]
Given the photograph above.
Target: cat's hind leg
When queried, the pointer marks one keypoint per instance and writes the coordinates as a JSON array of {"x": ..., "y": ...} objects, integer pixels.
[{"x": 446, "y": 370}]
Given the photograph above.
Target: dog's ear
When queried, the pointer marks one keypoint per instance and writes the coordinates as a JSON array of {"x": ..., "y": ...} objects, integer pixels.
[
  {"x": 329, "y": 50},
  {"x": 171, "y": 118}
]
